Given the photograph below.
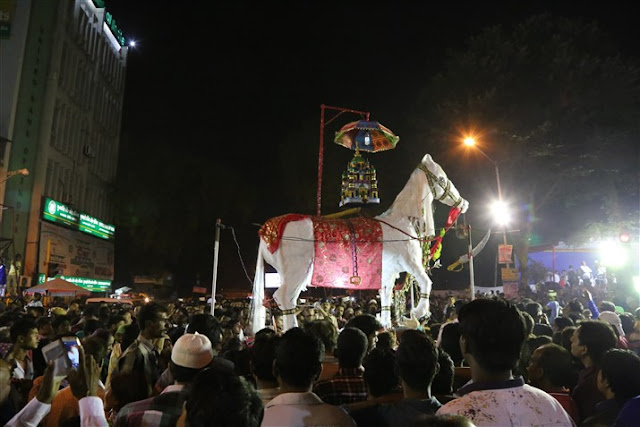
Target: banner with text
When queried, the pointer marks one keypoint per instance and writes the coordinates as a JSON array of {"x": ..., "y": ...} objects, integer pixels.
[
  {"x": 509, "y": 275},
  {"x": 504, "y": 254},
  {"x": 75, "y": 253}
]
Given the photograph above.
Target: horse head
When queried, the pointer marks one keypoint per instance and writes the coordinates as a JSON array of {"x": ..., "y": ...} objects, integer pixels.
[
  {"x": 427, "y": 183},
  {"x": 440, "y": 185}
]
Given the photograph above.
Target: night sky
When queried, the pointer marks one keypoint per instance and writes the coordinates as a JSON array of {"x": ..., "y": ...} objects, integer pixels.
[{"x": 238, "y": 85}]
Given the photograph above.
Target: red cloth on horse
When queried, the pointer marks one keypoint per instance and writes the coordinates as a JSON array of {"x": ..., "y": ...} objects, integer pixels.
[
  {"x": 437, "y": 243},
  {"x": 346, "y": 249},
  {"x": 271, "y": 231}
]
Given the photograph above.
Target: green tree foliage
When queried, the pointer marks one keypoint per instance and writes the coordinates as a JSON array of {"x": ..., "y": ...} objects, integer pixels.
[{"x": 556, "y": 106}]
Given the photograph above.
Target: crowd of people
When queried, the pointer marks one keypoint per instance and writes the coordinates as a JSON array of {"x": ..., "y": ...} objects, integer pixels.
[{"x": 486, "y": 362}]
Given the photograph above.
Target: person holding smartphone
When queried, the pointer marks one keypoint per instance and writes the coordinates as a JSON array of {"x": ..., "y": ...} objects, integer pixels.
[
  {"x": 65, "y": 405},
  {"x": 84, "y": 384}
]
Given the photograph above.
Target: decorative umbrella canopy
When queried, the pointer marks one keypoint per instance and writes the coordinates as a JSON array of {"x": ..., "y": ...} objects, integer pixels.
[
  {"x": 365, "y": 135},
  {"x": 59, "y": 287}
]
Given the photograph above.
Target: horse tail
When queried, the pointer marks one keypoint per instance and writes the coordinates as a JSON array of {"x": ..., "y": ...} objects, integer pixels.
[{"x": 258, "y": 311}]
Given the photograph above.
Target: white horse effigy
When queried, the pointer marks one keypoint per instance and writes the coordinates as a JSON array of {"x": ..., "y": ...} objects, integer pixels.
[{"x": 291, "y": 244}]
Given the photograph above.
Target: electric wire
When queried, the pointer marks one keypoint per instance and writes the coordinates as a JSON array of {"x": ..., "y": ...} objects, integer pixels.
[{"x": 233, "y": 232}]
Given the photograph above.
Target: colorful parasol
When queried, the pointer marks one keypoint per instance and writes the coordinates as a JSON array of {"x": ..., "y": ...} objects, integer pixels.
[{"x": 366, "y": 135}]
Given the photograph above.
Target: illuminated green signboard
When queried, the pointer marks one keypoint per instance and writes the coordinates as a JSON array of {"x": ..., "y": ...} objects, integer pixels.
[
  {"x": 117, "y": 32},
  {"x": 93, "y": 285},
  {"x": 57, "y": 212},
  {"x": 94, "y": 226},
  {"x": 62, "y": 214}
]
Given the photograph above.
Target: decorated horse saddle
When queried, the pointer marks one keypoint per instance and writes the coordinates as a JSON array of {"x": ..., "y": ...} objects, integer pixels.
[{"x": 348, "y": 252}]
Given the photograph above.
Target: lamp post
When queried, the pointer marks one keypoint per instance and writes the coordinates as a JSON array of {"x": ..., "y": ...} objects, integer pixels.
[
  {"x": 23, "y": 172},
  {"x": 471, "y": 142},
  {"x": 216, "y": 255},
  {"x": 472, "y": 281},
  {"x": 500, "y": 209},
  {"x": 7, "y": 176}
]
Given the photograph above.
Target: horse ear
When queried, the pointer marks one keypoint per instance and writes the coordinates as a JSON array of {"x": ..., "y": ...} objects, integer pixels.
[{"x": 427, "y": 159}]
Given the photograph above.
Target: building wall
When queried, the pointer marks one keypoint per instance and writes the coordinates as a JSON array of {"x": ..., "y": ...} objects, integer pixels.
[
  {"x": 12, "y": 48},
  {"x": 68, "y": 118}
]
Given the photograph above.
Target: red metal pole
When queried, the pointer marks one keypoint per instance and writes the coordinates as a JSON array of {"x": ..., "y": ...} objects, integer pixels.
[
  {"x": 320, "y": 160},
  {"x": 553, "y": 272}
]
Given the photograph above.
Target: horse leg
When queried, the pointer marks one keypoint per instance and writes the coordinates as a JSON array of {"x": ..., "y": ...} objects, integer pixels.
[
  {"x": 287, "y": 296},
  {"x": 424, "y": 283},
  {"x": 286, "y": 300},
  {"x": 386, "y": 298}
]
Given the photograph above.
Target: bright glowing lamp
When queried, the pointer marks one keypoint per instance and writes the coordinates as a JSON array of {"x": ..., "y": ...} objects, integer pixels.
[
  {"x": 500, "y": 212},
  {"x": 132, "y": 43},
  {"x": 612, "y": 254},
  {"x": 469, "y": 141}
]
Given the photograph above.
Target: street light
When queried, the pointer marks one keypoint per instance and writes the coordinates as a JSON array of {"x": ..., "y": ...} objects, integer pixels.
[
  {"x": 23, "y": 172},
  {"x": 499, "y": 209},
  {"x": 501, "y": 213}
]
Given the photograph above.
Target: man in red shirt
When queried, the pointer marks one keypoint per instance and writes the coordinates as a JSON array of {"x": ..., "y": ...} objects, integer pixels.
[
  {"x": 589, "y": 343},
  {"x": 551, "y": 370}
]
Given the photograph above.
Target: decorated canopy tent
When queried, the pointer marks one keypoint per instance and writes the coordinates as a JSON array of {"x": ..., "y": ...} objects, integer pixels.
[
  {"x": 561, "y": 256},
  {"x": 59, "y": 288}
]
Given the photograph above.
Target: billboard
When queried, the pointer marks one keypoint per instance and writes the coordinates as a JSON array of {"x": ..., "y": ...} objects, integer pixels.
[
  {"x": 272, "y": 280},
  {"x": 78, "y": 255},
  {"x": 60, "y": 213}
]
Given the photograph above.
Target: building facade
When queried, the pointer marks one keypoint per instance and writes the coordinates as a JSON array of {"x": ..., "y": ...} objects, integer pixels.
[{"x": 66, "y": 63}]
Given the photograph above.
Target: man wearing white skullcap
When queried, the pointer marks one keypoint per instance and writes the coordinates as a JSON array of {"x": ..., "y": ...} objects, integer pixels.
[
  {"x": 190, "y": 354},
  {"x": 613, "y": 319}
]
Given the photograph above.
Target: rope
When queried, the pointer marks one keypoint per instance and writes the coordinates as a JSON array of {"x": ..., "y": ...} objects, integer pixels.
[
  {"x": 233, "y": 232},
  {"x": 420, "y": 239},
  {"x": 302, "y": 239},
  {"x": 354, "y": 256}
]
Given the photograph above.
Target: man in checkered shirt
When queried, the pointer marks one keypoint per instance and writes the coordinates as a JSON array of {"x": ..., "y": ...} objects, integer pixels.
[{"x": 348, "y": 385}]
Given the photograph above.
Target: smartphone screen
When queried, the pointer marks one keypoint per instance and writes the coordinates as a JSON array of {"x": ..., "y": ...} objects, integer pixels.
[
  {"x": 57, "y": 353},
  {"x": 71, "y": 345}
]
